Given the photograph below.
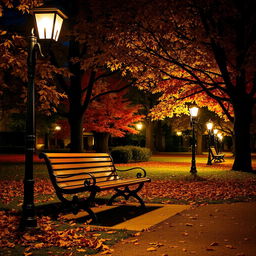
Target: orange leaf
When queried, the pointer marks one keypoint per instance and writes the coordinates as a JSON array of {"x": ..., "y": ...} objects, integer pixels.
[{"x": 151, "y": 249}]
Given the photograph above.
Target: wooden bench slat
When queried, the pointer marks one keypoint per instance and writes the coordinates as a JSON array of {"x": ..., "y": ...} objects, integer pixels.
[
  {"x": 80, "y": 160},
  {"x": 76, "y": 155},
  {"x": 108, "y": 185},
  {"x": 81, "y": 166},
  {"x": 91, "y": 170},
  {"x": 106, "y": 176},
  {"x": 80, "y": 180},
  {"x": 121, "y": 182}
]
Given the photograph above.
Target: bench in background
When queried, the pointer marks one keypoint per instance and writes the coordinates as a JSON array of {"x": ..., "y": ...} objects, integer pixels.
[{"x": 216, "y": 157}]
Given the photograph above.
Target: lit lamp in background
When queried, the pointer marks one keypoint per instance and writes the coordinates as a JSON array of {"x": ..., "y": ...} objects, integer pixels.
[
  {"x": 139, "y": 126},
  {"x": 179, "y": 133},
  {"x": 209, "y": 126},
  {"x": 220, "y": 138},
  {"x": 215, "y": 139},
  {"x": 57, "y": 128},
  {"x": 48, "y": 24},
  {"x": 193, "y": 115}
]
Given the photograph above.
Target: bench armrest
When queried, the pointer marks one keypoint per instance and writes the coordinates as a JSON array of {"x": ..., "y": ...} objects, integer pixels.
[
  {"x": 140, "y": 174},
  {"x": 87, "y": 182}
]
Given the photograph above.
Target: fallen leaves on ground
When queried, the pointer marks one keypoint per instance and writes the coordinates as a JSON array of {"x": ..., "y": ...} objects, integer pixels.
[
  {"x": 199, "y": 191},
  {"x": 47, "y": 236}
]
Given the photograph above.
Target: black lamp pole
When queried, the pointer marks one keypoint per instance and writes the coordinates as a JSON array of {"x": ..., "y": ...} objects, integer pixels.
[
  {"x": 28, "y": 215},
  {"x": 209, "y": 162},
  {"x": 43, "y": 17},
  {"x": 193, "y": 169}
]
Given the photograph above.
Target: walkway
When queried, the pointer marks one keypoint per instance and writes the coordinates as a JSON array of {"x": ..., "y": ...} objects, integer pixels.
[{"x": 209, "y": 230}]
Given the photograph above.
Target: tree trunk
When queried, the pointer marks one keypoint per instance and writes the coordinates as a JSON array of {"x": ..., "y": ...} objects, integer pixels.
[
  {"x": 160, "y": 138},
  {"x": 243, "y": 114},
  {"x": 199, "y": 144},
  {"x": 149, "y": 135},
  {"x": 76, "y": 133},
  {"x": 101, "y": 142}
]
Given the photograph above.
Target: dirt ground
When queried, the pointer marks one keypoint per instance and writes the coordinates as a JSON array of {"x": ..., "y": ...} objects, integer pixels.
[{"x": 214, "y": 230}]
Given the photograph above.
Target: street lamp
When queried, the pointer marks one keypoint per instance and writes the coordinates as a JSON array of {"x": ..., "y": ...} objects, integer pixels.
[
  {"x": 48, "y": 24},
  {"x": 215, "y": 132},
  {"x": 220, "y": 138},
  {"x": 193, "y": 114},
  {"x": 209, "y": 126}
]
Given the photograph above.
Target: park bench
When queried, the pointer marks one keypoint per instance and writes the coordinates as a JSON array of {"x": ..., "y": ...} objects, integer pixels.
[
  {"x": 73, "y": 173},
  {"x": 216, "y": 157}
]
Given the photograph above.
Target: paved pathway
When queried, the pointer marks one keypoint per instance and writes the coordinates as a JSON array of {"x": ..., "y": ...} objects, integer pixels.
[{"x": 210, "y": 230}]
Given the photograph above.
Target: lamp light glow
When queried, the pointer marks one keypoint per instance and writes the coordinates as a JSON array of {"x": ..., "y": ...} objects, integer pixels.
[
  {"x": 209, "y": 125},
  {"x": 139, "y": 126},
  {"x": 48, "y": 22},
  {"x": 57, "y": 128},
  {"x": 220, "y": 136},
  {"x": 193, "y": 111},
  {"x": 179, "y": 133},
  {"x": 215, "y": 131}
]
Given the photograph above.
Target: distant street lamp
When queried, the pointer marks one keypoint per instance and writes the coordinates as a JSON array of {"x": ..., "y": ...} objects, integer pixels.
[
  {"x": 215, "y": 139},
  {"x": 57, "y": 128},
  {"x": 179, "y": 133},
  {"x": 48, "y": 23},
  {"x": 209, "y": 126},
  {"x": 220, "y": 138},
  {"x": 139, "y": 126},
  {"x": 193, "y": 114}
]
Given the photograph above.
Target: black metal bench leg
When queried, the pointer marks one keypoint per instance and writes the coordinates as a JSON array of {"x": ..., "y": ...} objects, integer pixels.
[
  {"x": 118, "y": 193},
  {"x": 127, "y": 193},
  {"x": 87, "y": 204},
  {"x": 142, "y": 204}
]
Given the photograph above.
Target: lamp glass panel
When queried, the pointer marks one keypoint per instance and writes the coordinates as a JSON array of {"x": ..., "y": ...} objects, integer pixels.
[
  {"x": 209, "y": 125},
  {"x": 194, "y": 111},
  {"x": 44, "y": 22},
  {"x": 215, "y": 131},
  {"x": 139, "y": 126},
  {"x": 57, "y": 27}
]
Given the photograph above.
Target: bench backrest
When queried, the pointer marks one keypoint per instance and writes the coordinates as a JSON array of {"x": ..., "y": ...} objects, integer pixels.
[
  {"x": 70, "y": 170},
  {"x": 213, "y": 150}
]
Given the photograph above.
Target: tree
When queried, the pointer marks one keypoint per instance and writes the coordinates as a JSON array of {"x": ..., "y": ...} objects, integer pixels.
[
  {"x": 87, "y": 56},
  {"x": 109, "y": 115},
  {"x": 195, "y": 50}
]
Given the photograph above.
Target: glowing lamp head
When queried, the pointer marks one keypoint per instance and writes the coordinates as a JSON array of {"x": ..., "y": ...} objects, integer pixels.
[
  {"x": 209, "y": 125},
  {"x": 220, "y": 136},
  {"x": 179, "y": 133},
  {"x": 139, "y": 126},
  {"x": 215, "y": 131},
  {"x": 57, "y": 128},
  {"x": 48, "y": 22},
  {"x": 193, "y": 111}
]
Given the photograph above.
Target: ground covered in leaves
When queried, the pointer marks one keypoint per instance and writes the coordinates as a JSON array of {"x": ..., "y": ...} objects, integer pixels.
[{"x": 171, "y": 183}]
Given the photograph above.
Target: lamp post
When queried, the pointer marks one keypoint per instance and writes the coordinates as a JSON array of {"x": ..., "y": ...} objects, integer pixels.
[
  {"x": 48, "y": 24},
  {"x": 215, "y": 132},
  {"x": 193, "y": 114},
  {"x": 179, "y": 134},
  {"x": 209, "y": 126},
  {"x": 220, "y": 138}
]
